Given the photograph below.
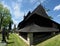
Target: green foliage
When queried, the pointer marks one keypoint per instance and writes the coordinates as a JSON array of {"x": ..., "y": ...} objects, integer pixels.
[
  {"x": 5, "y": 16},
  {"x": 47, "y": 10},
  {"x": 50, "y": 17},
  {"x": 1, "y": 7}
]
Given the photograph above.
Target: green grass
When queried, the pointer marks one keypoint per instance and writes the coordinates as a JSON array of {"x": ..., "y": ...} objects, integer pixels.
[
  {"x": 15, "y": 41},
  {"x": 55, "y": 41}
]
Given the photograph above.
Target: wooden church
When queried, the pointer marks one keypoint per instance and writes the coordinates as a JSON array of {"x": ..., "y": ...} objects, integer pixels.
[{"x": 37, "y": 25}]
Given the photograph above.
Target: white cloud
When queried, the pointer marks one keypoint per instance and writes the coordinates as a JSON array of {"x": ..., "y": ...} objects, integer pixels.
[
  {"x": 19, "y": 0},
  {"x": 17, "y": 10},
  {"x": 15, "y": 22},
  {"x": 5, "y": 5},
  {"x": 57, "y": 7},
  {"x": 17, "y": 13},
  {"x": 32, "y": 1},
  {"x": 36, "y": 1},
  {"x": 42, "y": 1},
  {"x": 58, "y": 15}
]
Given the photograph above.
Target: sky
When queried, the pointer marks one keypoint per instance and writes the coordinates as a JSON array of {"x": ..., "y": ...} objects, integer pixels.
[{"x": 19, "y": 8}]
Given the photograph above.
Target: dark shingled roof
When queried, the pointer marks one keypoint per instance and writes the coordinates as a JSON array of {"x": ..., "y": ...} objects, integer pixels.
[{"x": 40, "y": 11}]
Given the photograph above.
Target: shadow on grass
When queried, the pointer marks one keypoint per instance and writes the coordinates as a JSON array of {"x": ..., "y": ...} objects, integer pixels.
[{"x": 10, "y": 42}]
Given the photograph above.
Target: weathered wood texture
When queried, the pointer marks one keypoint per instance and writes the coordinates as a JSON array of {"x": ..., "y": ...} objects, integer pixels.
[{"x": 36, "y": 28}]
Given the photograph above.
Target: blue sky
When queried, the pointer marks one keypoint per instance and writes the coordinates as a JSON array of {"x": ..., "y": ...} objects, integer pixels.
[{"x": 20, "y": 7}]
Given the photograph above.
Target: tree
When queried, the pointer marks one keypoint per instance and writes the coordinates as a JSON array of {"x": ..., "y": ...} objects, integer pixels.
[
  {"x": 1, "y": 10},
  {"x": 50, "y": 17},
  {"x": 5, "y": 20},
  {"x": 47, "y": 10},
  {"x": 5, "y": 16},
  {"x": 14, "y": 27}
]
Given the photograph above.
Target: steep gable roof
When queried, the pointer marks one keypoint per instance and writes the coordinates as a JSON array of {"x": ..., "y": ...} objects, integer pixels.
[
  {"x": 27, "y": 14},
  {"x": 40, "y": 11}
]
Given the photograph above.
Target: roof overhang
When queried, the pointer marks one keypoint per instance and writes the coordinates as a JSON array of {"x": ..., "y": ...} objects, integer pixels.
[{"x": 36, "y": 28}]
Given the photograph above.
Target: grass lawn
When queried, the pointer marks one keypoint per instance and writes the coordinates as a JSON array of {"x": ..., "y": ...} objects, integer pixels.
[
  {"x": 55, "y": 41},
  {"x": 15, "y": 41}
]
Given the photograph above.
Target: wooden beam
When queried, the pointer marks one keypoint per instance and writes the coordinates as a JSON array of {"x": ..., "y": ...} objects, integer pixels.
[{"x": 30, "y": 38}]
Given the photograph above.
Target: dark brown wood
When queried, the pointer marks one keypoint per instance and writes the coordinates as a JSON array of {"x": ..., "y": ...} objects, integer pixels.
[
  {"x": 36, "y": 28},
  {"x": 40, "y": 18}
]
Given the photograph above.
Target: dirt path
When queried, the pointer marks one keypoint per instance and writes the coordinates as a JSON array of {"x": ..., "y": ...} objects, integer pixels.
[{"x": 2, "y": 44}]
